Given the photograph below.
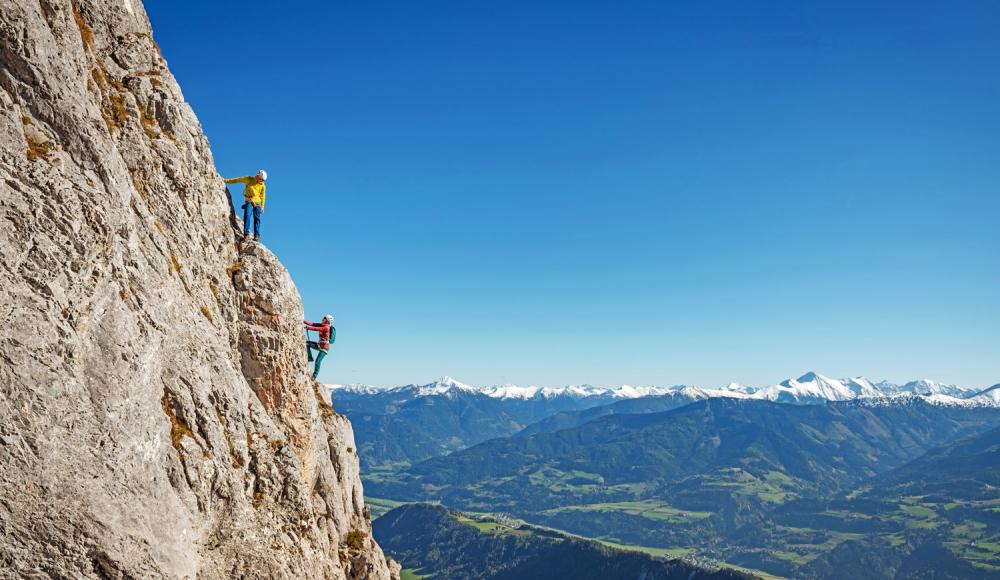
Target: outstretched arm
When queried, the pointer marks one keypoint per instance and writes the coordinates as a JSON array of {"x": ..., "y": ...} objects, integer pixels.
[
  {"x": 312, "y": 326},
  {"x": 244, "y": 180}
]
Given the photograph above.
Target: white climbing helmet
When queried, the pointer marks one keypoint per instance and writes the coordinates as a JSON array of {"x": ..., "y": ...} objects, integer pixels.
[
  {"x": 262, "y": 174},
  {"x": 329, "y": 317}
]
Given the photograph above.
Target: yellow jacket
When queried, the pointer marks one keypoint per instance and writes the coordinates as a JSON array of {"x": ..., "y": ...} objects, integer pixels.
[{"x": 252, "y": 191}]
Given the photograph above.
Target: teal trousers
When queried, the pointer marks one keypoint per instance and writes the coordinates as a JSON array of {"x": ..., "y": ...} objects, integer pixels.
[{"x": 320, "y": 355}]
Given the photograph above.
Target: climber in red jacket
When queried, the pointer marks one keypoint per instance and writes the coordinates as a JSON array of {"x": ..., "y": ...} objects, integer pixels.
[{"x": 327, "y": 335}]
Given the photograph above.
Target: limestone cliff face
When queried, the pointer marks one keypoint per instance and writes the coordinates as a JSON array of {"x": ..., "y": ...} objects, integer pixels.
[{"x": 156, "y": 416}]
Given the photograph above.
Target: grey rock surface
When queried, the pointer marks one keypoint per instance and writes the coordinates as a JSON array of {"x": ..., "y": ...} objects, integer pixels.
[{"x": 156, "y": 415}]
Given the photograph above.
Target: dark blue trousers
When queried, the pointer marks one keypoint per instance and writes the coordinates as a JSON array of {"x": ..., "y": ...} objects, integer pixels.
[{"x": 246, "y": 219}]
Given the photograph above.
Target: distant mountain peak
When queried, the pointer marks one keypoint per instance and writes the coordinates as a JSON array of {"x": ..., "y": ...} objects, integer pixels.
[
  {"x": 447, "y": 381},
  {"x": 989, "y": 396},
  {"x": 444, "y": 385},
  {"x": 929, "y": 387},
  {"x": 811, "y": 387}
]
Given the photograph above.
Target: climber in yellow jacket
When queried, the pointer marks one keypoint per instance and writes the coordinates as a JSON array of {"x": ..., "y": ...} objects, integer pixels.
[{"x": 254, "y": 194}]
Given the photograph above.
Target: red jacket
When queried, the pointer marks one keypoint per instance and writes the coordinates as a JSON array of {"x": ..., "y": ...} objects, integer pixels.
[{"x": 327, "y": 333}]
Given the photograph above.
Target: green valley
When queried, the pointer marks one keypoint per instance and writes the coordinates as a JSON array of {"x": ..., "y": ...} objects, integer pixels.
[
  {"x": 470, "y": 548},
  {"x": 790, "y": 491}
]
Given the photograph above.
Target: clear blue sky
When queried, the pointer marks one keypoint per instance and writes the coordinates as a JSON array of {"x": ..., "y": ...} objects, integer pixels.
[{"x": 608, "y": 192}]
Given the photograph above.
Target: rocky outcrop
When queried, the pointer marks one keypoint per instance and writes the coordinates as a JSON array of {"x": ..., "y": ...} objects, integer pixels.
[{"x": 156, "y": 416}]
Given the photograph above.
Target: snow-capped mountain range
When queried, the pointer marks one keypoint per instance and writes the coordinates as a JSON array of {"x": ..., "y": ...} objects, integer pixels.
[{"x": 809, "y": 388}]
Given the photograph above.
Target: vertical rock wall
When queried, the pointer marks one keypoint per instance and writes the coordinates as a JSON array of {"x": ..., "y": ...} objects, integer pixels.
[{"x": 156, "y": 416}]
